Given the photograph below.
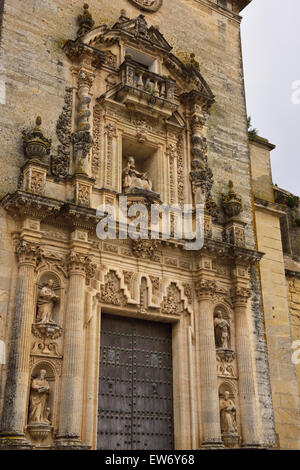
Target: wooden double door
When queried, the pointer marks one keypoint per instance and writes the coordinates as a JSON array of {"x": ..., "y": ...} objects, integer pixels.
[{"x": 135, "y": 410}]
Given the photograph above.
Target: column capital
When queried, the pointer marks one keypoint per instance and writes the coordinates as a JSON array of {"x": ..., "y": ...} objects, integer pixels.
[
  {"x": 28, "y": 253},
  {"x": 81, "y": 263},
  {"x": 205, "y": 288},
  {"x": 240, "y": 295}
]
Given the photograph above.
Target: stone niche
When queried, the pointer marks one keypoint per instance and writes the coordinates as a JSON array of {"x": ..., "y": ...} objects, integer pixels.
[
  {"x": 146, "y": 161},
  {"x": 41, "y": 415}
]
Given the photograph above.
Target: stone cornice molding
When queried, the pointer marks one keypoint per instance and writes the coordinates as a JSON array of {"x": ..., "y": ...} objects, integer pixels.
[{"x": 25, "y": 204}]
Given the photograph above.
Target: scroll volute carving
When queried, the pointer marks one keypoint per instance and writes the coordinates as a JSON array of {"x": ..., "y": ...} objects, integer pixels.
[{"x": 41, "y": 399}]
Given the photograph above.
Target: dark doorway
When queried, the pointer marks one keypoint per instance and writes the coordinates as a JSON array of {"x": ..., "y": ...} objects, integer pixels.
[{"x": 135, "y": 410}]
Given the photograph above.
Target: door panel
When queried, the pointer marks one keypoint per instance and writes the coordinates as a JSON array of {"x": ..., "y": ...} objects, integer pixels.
[{"x": 136, "y": 389}]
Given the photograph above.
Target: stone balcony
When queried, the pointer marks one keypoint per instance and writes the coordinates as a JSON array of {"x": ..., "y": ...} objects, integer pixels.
[{"x": 144, "y": 89}]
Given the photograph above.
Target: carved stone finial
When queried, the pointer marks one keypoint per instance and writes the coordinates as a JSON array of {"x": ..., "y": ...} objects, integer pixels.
[
  {"x": 193, "y": 62},
  {"x": 36, "y": 145},
  {"x": 85, "y": 21},
  {"x": 232, "y": 202}
]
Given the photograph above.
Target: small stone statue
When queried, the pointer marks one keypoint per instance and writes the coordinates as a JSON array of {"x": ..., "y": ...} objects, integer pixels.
[
  {"x": 46, "y": 300},
  {"x": 228, "y": 415},
  {"x": 132, "y": 179},
  {"x": 222, "y": 331},
  {"x": 38, "y": 411}
]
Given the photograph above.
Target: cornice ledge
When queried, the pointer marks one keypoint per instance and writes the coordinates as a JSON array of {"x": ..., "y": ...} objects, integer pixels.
[
  {"x": 24, "y": 203},
  {"x": 219, "y": 9},
  {"x": 234, "y": 253}
]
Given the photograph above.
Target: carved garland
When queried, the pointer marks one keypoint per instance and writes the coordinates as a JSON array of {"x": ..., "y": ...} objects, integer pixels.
[{"x": 61, "y": 162}]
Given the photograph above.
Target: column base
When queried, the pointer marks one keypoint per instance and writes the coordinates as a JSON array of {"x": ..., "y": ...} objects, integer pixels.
[
  {"x": 70, "y": 443},
  {"x": 212, "y": 445},
  {"x": 14, "y": 441},
  {"x": 253, "y": 446}
]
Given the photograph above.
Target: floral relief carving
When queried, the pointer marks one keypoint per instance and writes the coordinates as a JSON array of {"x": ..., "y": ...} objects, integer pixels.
[
  {"x": 37, "y": 181},
  {"x": 61, "y": 162},
  {"x": 111, "y": 292},
  {"x": 180, "y": 169},
  {"x": 98, "y": 139},
  {"x": 111, "y": 133},
  {"x": 172, "y": 303},
  {"x": 83, "y": 194},
  {"x": 144, "y": 249}
]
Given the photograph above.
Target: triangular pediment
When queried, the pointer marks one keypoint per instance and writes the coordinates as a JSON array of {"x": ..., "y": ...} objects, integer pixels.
[{"x": 136, "y": 30}]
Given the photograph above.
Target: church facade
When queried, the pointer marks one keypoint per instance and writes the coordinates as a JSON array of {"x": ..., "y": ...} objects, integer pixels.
[{"x": 121, "y": 342}]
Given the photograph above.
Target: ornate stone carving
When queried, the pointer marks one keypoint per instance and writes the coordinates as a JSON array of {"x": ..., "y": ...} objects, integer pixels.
[
  {"x": 232, "y": 202},
  {"x": 79, "y": 262},
  {"x": 240, "y": 294},
  {"x": 172, "y": 303},
  {"x": 142, "y": 130},
  {"x": 35, "y": 144},
  {"x": 143, "y": 296},
  {"x": 155, "y": 281},
  {"x": 111, "y": 133},
  {"x": 222, "y": 331},
  {"x": 225, "y": 357},
  {"x": 134, "y": 180},
  {"x": 46, "y": 300},
  {"x": 28, "y": 252},
  {"x": 35, "y": 181},
  {"x": 188, "y": 292},
  {"x": 147, "y": 5},
  {"x": 111, "y": 292},
  {"x": 83, "y": 194},
  {"x": 61, "y": 162},
  {"x": 82, "y": 143},
  {"x": 180, "y": 169},
  {"x": 205, "y": 288},
  {"x": 144, "y": 249},
  {"x": 39, "y": 424},
  {"x": 46, "y": 333},
  {"x": 98, "y": 139},
  {"x": 85, "y": 21}
]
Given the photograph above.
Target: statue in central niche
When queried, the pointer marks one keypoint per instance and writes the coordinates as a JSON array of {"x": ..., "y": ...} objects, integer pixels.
[{"x": 133, "y": 179}]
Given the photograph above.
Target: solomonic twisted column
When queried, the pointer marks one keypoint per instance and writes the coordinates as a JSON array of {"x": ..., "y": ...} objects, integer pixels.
[
  {"x": 206, "y": 351},
  {"x": 80, "y": 267},
  {"x": 249, "y": 419},
  {"x": 15, "y": 398}
]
